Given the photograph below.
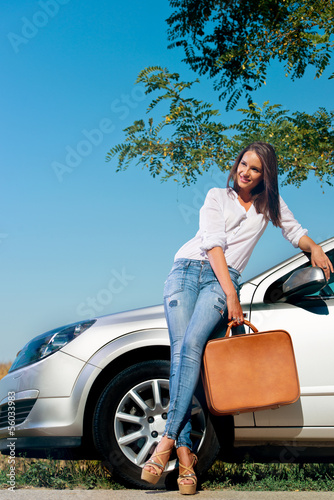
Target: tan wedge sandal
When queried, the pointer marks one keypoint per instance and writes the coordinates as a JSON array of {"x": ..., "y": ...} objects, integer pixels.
[
  {"x": 150, "y": 477},
  {"x": 188, "y": 489}
]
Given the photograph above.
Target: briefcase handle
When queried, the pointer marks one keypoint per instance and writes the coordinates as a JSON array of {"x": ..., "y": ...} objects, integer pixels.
[{"x": 233, "y": 323}]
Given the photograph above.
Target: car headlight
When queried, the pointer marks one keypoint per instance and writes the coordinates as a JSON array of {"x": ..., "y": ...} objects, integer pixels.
[{"x": 46, "y": 344}]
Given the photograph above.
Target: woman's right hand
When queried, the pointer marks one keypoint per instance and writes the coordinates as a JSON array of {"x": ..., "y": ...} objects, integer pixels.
[{"x": 234, "y": 309}]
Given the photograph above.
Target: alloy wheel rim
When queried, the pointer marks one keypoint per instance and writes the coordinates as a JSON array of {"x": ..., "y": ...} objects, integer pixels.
[{"x": 140, "y": 419}]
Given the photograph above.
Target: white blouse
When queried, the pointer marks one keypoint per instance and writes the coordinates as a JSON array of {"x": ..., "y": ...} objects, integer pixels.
[{"x": 225, "y": 222}]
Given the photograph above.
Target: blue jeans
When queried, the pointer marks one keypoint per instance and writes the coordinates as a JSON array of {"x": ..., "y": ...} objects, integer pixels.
[{"x": 194, "y": 305}]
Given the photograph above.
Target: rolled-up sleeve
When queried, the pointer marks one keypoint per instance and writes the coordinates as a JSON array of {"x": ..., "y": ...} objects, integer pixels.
[
  {"x": 211, "y": 222},
  {"x": 291, "y": 229}
]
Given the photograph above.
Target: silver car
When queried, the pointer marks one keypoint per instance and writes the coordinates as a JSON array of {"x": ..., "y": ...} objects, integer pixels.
[{"x": 99, "y": 388}]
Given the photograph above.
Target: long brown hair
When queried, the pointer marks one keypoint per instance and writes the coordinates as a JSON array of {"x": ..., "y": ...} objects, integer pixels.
[{"x": 265, "y": 196}]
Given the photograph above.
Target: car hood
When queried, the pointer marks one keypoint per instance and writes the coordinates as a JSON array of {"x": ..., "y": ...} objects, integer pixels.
[
  {"x": 151, "y": 313},
  {"x": 111, "y": 327}
]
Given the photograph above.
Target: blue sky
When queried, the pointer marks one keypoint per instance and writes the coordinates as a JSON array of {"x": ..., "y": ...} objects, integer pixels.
[{"x": 90, "y": 241}]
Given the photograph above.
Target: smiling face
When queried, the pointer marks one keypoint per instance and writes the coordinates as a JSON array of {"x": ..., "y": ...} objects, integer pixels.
[{"x": 249, "y": 172}]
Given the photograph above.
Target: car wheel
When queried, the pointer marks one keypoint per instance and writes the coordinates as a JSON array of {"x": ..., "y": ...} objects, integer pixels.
[{"x": 130, "y": 417}]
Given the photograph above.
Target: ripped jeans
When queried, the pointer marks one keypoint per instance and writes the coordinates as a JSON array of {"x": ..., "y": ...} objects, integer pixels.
[{"x": 195, "y": 305}]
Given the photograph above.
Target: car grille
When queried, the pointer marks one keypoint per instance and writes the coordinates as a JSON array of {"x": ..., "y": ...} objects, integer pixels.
[{"x": 22, "y": 410}]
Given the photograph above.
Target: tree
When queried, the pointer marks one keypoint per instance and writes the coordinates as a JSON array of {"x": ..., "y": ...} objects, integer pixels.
[
  {"x": 187, "y": 140},
  {"x": 234, "y": 41}
]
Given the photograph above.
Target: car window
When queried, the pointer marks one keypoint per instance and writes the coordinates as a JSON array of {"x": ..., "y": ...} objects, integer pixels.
[{"x": 331, "y": 285}]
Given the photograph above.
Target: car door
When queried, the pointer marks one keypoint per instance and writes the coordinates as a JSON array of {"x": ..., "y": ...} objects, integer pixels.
[{"x": 310, "y": 322}]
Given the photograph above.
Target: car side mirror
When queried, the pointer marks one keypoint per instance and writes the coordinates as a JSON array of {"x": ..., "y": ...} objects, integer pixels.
[{"x": 304, "y": 282}]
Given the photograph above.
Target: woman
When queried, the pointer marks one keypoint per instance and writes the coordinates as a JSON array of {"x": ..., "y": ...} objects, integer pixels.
[{"x": 202, "y": 288}]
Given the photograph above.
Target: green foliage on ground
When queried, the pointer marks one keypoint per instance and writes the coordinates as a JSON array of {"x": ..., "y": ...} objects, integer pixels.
[
  {"x": 56, "y": 474},
  {"x": 70, "y": 474},
  {"x": 271, "y": 477}
]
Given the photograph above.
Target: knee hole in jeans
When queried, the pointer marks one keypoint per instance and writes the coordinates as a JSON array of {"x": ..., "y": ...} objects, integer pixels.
[
  {"x": 221, "y": 306},
  {"x": 173, "y": 303}
]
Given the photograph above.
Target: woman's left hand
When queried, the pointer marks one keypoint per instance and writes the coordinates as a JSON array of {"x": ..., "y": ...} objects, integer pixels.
[{"x": 320, "y": 259}]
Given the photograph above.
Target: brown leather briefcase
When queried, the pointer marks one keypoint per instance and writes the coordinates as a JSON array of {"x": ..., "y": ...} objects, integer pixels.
[{"x": 249, "y": 372}]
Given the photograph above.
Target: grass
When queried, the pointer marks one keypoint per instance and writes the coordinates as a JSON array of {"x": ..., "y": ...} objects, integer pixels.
[
  {"x": 252, "y": 476},
  {"x": 84, "y": 474},
  {"x": 87, "y": 475},
  {"x": 56, "y": 474}
]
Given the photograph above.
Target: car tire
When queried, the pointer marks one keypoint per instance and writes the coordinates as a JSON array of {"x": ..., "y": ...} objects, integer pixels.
[{"x": 129, "y": 419}]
